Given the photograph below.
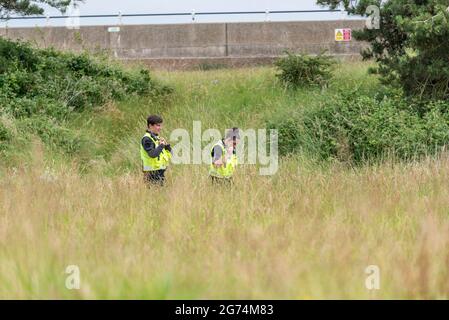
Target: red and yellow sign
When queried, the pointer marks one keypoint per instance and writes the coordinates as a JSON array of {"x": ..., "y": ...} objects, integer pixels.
[{"x": 343, "y": 35}]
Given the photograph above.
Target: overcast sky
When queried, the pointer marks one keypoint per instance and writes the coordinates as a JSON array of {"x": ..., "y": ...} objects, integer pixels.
[{"x": 175, "y": 6}]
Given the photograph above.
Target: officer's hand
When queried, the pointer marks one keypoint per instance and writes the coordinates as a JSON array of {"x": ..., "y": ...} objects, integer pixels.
[
  {"x": 218, "y": 163},
  {"x": 162, "y": 141}
]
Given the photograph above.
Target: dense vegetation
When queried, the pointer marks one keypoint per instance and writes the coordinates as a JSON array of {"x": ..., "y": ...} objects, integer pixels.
[
  {"x": 40, "y": 89},
  {"x": 308, "y": 232},
  {"x": 301, "y": 70},
  {"x": 410, "y": 44},
  {"x": 405, "y": 118},
  {"x": 354, "y": 127}
]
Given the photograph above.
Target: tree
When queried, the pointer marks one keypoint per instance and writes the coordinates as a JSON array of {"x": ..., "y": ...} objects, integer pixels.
[
  {"x": 411, "y": 46},
  {"x": 27, "y": 7}
]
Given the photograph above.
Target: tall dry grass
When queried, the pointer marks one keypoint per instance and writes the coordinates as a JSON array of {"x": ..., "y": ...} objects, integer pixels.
[
  {"x": 304, "y": 233},
  {"x": 307, "y": 232}
]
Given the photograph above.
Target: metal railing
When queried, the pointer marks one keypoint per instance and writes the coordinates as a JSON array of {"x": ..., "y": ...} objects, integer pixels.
[{"x": 193, "y": 14}]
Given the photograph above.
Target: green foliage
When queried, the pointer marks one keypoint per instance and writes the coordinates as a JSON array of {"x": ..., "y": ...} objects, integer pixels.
[
  {"x": 299, "y": 70},
  {"x": 411, "y": 45},
  {"x": 53, "y": 134},
  {"x": 289, "y": 131},
  {"x": 411, "y": 50},
  {"x": 35, "y": 7},
  {"x": 357, "y": 128},
  {"x": 5, "y": 135},
  {"x": 42, "y": 88}
]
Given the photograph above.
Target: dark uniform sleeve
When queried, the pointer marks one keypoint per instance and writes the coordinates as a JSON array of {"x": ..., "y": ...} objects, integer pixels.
[
  {"x": 216, "y": 153},
  {"x": 150, "y": 147}
]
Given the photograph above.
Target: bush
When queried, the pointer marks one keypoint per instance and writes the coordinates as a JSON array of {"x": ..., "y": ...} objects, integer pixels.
[
  {"x": 289, "y": 135},
  {"x": 410, "y": 46},
  {"x": 53, "y": 134},
  {"x": 47, "y": 86},
  {"x": 360, "y": 128},
  {"x": 303, "y": 70},
  {"x": 5, "y": 137}
]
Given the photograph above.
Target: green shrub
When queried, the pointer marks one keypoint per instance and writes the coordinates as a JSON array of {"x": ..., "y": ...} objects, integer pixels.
[
  {"x": 360, "y": 128},
  {"x": 289, "y": 135},
  {"x": 5, "y": 137},
  {"x": 52, "y": 133},
  {"x": 299, "y": 70},
  {"x": 46, "y": 86},
  {"x": 410, "y": 44},
  {"x": 12, "y": 53}
]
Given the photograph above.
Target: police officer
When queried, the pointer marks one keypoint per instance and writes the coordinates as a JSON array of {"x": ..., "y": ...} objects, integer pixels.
[
  {"x": 155, "y": 152},
  {"x": 223, "y": 157}
]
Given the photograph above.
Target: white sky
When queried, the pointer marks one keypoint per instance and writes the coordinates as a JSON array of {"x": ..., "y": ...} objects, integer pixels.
[{"x": 170, "y": 6}]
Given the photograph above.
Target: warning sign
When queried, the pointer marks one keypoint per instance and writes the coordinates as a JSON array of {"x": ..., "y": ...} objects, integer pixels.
[{"x": 343, "y": 35}]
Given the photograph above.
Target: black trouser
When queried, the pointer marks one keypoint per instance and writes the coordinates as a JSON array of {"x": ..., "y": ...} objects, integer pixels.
[
  {"x": 221, "y": 181},
  {"x": 152, "y": 178}
]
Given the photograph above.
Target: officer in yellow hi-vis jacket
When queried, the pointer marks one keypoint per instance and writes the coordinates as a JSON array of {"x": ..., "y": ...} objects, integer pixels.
[
  {"x": 154, "y": 152},
  {"x": 223, "y": 157}
]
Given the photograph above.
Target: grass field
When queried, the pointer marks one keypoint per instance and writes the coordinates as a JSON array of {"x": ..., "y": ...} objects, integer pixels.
[{"x": 308, "y": 232}]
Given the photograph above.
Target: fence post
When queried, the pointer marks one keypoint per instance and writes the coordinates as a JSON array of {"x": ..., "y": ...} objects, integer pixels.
[
  {"x": 193, "y": 15},
  {"x": 120, "y": 18},
  {"x": 267, "y": 15}
]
